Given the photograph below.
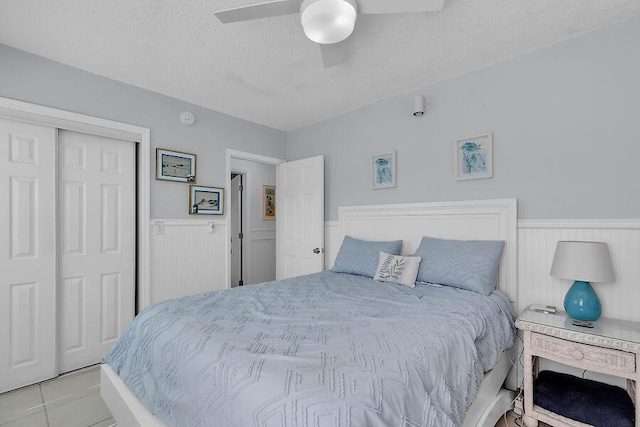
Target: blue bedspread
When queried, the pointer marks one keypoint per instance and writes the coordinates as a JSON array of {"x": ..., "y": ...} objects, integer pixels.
[{"x": 327, "y": 349}]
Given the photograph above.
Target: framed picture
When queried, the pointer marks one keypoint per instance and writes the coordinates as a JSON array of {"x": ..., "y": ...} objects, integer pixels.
[
  {"x": 474, "y": 157},
  {"x": 268, "y": 202},
  {"x": 206, "y": 200},
  {"x": 175, "y": 166},
  {"x": 383, "y": 170}
]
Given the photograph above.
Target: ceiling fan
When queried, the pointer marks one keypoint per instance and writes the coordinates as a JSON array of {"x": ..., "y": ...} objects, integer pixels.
[{"x": 328, "y": 22}]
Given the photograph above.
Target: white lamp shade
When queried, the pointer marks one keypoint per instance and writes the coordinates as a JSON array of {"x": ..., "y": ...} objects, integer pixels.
[
  {"x": 584, "y": 261},
  {"x": 328, "y": 21}
]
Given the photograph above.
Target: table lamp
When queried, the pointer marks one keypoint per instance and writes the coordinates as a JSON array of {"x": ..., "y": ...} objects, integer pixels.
[{"x": 583, "y": 262}]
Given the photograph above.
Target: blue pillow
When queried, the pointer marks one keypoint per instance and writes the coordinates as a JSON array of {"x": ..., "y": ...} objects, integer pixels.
[
  {"x": 467, "y": 264},
  {"x": 361, "y": 256}
]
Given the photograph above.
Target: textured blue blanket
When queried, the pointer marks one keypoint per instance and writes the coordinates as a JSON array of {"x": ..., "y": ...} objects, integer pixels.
[{"x": 327, "y": 349}]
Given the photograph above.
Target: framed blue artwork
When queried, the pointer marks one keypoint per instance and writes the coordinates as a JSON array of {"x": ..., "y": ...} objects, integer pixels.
[
  {"x": 474, "y": 157},
  {"x": 383, "y": 170}
]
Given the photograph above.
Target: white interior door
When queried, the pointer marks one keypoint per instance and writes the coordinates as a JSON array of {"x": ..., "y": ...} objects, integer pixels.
[
  {"x": 300, "y": 217},
  {"x": 96, "y": 287},
  {"x": 27, "y": 254}
]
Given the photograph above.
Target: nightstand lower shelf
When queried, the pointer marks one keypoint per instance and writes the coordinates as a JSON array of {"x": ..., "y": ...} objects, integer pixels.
[
  {"x": 571, "y": 400},
  {"x": 550, "y": 418},
  {"x": 612, "y": 347}
]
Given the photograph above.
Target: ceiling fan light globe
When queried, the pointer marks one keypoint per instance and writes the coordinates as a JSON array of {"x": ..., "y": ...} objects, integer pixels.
[{"x": 328, "y": 21}]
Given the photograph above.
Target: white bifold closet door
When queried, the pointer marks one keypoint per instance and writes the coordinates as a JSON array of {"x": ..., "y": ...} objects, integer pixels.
[
  {"x": 96, "y": 286},
  {"x": 67, "y": 249},
  {"x": 27, "y": 254}
]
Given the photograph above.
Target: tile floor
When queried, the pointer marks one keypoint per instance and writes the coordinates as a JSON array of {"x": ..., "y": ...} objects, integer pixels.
[{"x": 71, "y": 400}]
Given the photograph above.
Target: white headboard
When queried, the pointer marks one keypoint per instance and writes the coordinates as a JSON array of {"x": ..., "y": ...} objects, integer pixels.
[{"x": 465, "y": 220}]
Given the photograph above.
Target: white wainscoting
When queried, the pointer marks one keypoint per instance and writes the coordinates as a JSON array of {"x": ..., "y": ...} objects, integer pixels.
[
  {"x": 332, "y": 242},
  {"x": 187, "y": 257},
  {"x": 536, "y": 246},
  {"x": 262, "y": 259}
]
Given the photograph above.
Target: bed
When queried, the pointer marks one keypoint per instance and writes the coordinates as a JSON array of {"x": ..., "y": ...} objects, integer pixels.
[{"x": 332, "y": 348}]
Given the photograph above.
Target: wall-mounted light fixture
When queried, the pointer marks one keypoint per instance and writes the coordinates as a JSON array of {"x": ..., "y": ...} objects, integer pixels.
[{"x": 420, "y": 106}]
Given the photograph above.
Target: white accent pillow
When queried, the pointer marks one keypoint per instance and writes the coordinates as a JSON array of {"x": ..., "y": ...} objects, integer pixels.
[{"x": 402, "y": 270}]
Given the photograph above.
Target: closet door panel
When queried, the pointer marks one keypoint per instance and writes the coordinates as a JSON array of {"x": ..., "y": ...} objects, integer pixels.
[
  {"x": 27, "y": 254},
  {"x": 97, "y": 229}
]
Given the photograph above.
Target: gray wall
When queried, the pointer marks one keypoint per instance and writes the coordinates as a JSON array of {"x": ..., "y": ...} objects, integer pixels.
[
  {"x": 37, "y": 80},
  {"x": 565, "y": 121}
]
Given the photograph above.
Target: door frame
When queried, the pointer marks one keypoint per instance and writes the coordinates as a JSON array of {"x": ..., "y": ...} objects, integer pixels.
[
  {"x": 240, "y": 155},
  {"x": 246, "y": 206},
  {"x": 37, "y": 114}
]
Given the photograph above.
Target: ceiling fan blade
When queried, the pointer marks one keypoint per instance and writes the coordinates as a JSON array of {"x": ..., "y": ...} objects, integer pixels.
[
  {"x": 398, "y": 6},
  {"x": 335, "y": 54},
  {"x": 260, "y": 10}
]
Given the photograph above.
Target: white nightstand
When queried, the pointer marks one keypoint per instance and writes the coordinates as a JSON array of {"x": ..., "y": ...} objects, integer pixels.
[{"x": 611, "y": 347}]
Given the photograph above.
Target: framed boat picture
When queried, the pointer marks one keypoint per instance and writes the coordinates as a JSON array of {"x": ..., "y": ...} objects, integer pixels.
[
  {"x": 206, "y": 200},
  {"x": 175, "y": 166}
]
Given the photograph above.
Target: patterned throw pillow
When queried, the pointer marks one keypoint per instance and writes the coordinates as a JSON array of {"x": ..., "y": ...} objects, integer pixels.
[{"x": 402, "y": 270}]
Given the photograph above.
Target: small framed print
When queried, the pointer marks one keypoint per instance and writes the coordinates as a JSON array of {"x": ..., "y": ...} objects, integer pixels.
[
  {"x": 474, "y": 157},
  {"x": 383, "y": 170},
  {"x": 206, "y": 200},
  {"x": 175, "y": 166},
  {"x": 268, "y": 202}
]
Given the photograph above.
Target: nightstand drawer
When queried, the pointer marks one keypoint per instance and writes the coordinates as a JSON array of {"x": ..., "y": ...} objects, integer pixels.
[{"x": 586, "y": 355}]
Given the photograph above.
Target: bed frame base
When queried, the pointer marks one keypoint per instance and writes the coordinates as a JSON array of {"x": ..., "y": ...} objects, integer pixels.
[
  {"x": 490, "y": 404},
  {"x": 124, "y": 406},
  {"x": 492, "y": 401}
]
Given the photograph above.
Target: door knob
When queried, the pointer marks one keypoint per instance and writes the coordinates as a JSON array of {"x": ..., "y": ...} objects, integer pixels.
[{"x": 318, "y": 250}]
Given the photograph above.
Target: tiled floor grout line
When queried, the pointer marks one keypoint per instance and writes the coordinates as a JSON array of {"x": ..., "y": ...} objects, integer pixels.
[
  {"x": 46, "y": 415},
  {"x": 61, "y": 391},
  {"x": 101, "y": 421}
]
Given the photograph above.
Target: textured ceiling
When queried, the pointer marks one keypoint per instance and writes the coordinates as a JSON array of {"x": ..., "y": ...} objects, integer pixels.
[{"x": 267, "y": 71}]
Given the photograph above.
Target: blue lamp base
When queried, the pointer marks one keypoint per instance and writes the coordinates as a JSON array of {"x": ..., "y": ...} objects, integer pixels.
[{"x": 582, "y": 302}]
